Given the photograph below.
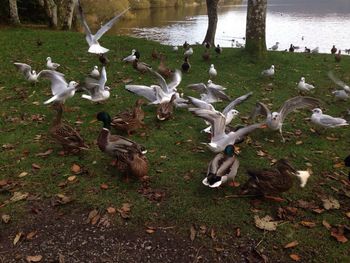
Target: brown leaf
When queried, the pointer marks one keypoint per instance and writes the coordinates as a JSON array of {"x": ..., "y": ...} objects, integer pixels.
[
  {"x": 36, "y": 258},
  {"x": 104, "y": 186},
  {"x": 111, "y": 210},
  {"x": 5, "y": 218},
  {"x": 338, "y": 165},
  {"x": 212, "y": 233},
  {"x": 71, "y": 178},
  {"x": 347, "y": 214},
  {"x": 62, "y": 199},
  {"x": 22, "y": 174},
  {"x": 95, "y": 219},
  {"x": 3, "y": 182},
  {"x": 295, "y": 257},
  {"x": 76, "y": 168},
  {"x": 219, "y": 249},
  {"x": 265, "y": 223},
  {"x": 238, "y": 232},
  {"x": 44, "y": 154},
  {"x": 36, "y": 166},
  {"x": 261, "y": 153},
  {"x": 150, "y": 230},
  {"x": 309, "y": 224},
  {"x": 326, "y": 224},
  {"x": 91, "y": 215},
  {"x": 31, "y": 235},
  {"x": 299, "y": 142},
  {"x": 330, "y": 203},
  {"x": 124, "y": 211},
  {"x": 332, "y": 138},
  {"x": 17, "y": 238},
  {"x": 338, "y": 235},
  {"x": 18, "y": 196},
  {"x": 193, "y": 233},
  {"x": 291, "y": 244}
]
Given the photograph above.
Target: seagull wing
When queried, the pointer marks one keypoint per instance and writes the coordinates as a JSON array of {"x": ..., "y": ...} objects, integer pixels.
[
  {"x": 58, "y": 83},
  {"x": 200, "y": 87},
  {"x": 161, "y": 81},
  {"x": 216, "y": 119},
  {"x": 336, "y": 80},
  {"x": 109, "y": 25},
  {"x": 177, "y": 77},
  {"x": 327, "y": 120},
  {"x": 103, "y": 78},
  {"x": 85, "y": 25},
  {"x": 246, "y": 130},
  {"x": 24, "y": 68},
  {"x": 219, "y": 94},
  {"x": 297, "y": 103},
  {"x": 260, "y": 109},
  {"x": 147, "y": 92},
  {"x": 235, "y": 102},
  {"x": 201, "y": 104}
]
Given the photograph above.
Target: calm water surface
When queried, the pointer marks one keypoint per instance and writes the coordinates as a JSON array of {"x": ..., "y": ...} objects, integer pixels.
[{"x": 321, "y": 22}]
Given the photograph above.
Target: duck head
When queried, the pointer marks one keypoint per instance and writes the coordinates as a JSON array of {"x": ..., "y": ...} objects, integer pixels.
[
  {"x": 229, "y": 150},
  {"x": 139, "y": 102},
  {"x": 283, "y": 164},
  {"x": 105, "y": 118}
]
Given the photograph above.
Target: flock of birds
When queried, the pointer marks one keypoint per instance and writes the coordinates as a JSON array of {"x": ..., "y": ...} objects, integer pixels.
[{"x": 129, "y": 156}]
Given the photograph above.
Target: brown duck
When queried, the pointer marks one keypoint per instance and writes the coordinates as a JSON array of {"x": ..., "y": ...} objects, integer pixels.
[
  {"x": 129, "y": 156},
  {"x": 206, "y": 55},
  {"x": 163, "y": 69},
  {"x": 66, "y": 135},
  {"x": 337, "y": 57},
  {"x": 140, "y": 66},
  {"x": 130, "y": 121},
  {"x": 165, "y": 109}
]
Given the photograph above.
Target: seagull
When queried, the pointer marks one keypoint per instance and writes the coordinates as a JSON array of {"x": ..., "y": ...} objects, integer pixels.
[
  {"x": 211, "y": 92},
  {"x": 61, "y": 90},
  {"x": 188, "y": 52},
  {"x": 51, "y": 65},
  {"x": 338, "y": 82},
  {"x": 315, "y": 50},
  {"x": 130, "y": 58},
  {"x": 269, "y": 72},
  {"x": 326, "y": 121},
  {"x": 95, "y": 73},
  {"x": 275, "y": 46},
  {"x": 340, "y": 94},
  {"x": 220, "y": 139},
  {"x": 92, "y": 40},
  {"x": 229, "y": 112},
  {"x": 275, "y": 120},
  {"x": 303, "y": 86},
  {"x": 175, "y": 48},
  {"x": 212, "y": 72},
  {"x": 97, "y": 89},
  {"x": 29, "y": 74}
]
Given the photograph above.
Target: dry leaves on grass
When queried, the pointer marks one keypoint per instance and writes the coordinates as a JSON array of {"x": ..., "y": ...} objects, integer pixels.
[
  {"x": 60, "y": 199},
  {"x": 338, "y": 234},
  {"x": 22, "y": 174},
  {"x": 44, "y": 154},
  {"x": 291, "y": 244},
  {"x": 125, "y": 210},
  {"x": 295, "y": 257},
  {"x": 18, "y": 196},
  {"x": 36, "y": 258},
  {"x": 330, "y": 203},
  {"x": 308, "y": 224},
  {"x": 76, "y": 168},
  {"x": 93, "y": 217},
  {"x": 265, "y": 223},
  {"x": 193, "y": 232},
  {"x": 5, "y": 218}
]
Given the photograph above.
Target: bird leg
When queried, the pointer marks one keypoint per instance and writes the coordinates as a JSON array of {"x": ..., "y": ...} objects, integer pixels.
[{"x": 283, "y": 139}]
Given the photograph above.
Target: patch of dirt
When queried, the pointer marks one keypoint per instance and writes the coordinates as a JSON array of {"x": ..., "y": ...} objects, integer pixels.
[{"x": 64, "y": 237}]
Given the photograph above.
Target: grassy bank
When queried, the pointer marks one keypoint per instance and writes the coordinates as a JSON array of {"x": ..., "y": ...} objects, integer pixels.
[{"x": 177, "y": 160}]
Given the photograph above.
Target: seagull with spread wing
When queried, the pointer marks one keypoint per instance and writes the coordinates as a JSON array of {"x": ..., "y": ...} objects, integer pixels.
[
  {"x": 94, "y": 46},
  {"x": 61, "y": 90},
  {"x": 210, "y": 92},
  {"x": 29, "y": 74},
  {"x": 97, "y": 88},
  {"x": 275, "y": 120}
]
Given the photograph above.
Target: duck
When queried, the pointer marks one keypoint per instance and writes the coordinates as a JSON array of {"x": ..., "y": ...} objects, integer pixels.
[
  {"x": 188, "y": 52},
  {"x": 51, "y": 65},
  {"x": 64, "y": 134},
  {"x": 163, "y": 69},
  {"x": 103, "y": 59},
  {"x": 155, "y": 54},
  {"x": 130, "y": 121},
  {"x": 337, "y": 57},
  {"x": 206, "y": 55},
  {"x": 212, "y": 72},
  {"x": 185, "y": 45},
  {"x": 222, "y": 168},
  {"x": 129, "y": 156},
  {"x": 275, "y": 180},
  {"x": 334, "y": 50},
  {"x": 165, "y": 109},
  {"x": 186, "y": 66},
  {"x": 307, "y": 50},
  {"x": 218, "y": 49},
  {"x": 291, "y": 48},
  {"x": 141, "y": 66}
]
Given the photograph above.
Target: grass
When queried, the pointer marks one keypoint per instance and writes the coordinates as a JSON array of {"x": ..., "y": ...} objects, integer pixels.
[{"x": 177, "y": 160}]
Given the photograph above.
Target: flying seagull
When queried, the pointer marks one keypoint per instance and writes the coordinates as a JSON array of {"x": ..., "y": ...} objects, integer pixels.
[
  {"x": 29, "y": 74},
  {"x": 275, "y": 120},
  {"x": 210, "y": 92},
  {"x": 94, "y": 46},
  {"x": 97, "y": 89}
]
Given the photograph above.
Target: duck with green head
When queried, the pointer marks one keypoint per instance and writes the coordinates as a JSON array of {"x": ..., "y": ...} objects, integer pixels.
[
  {"x": 223, "y": 168},
  {"x": 130, "y": 156}
]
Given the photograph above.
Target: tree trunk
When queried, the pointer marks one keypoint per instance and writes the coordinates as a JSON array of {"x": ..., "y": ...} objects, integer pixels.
[
  {"x": 255, "y": 28},
  {"x": 14, "y": 12},
  {"x": 212, "y": 9},
  {"x": 67, "y": 14},
  {"x": 51, "y": 11}
]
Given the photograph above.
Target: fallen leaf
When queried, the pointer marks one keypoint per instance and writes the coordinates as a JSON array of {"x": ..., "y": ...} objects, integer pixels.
[
  {"x": 18, "y": 196},
  {"x": 111, "y": 210},
  {"x": 219, "y": 249},
  {"x": 338, "y": 235},
  {"x": 193, "y": 233},
  {"x": 75, "y": 169},
  {"x": 338, "y": 165},
  {"x": 17, "y": 238},
  {"x": 22, "y": 174},
  {"x": 326, "y": 224},
  {"x": 309, "y": 224},
  {"x": 261, "y": 153},
  {"x": 3, "y": 182},
  {"x": 36, "y": 166},
  {"x": 95, "y": 219},
  {"x": 291, "y": 244},
  {"x": 332, "y": 138},
  {"x": 265, "y": 223},
  {"x": 299, "y": 142},
  {"x": 104, "y": 186},
  {"x": 347, "y": 214},
  {"x": 238, "y": 232},
  {"x": 71, "y": 178},
  {"x": 104, "y": 221},
  {"x": 124, "y": 211},
  {"x": 36, "y": 258},
  {"x": 31, "y": 235},
  {"x": 212, "y": 233},
  {"x": 44, "y": 154},
  {"x": 5, "y": 218},
  {"x": 295, "y": 257},
  {"x": 150, "y": 230},
  {"x": 91, "y": 215},
  {"x": 330, "y": 203},
  {"x": 63, "y": 199}
]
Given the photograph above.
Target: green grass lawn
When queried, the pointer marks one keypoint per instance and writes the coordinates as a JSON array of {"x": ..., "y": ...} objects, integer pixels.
[{"x": 178, "y": 161}]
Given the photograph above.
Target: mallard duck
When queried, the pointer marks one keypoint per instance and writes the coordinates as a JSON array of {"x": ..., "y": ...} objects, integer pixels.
[
  {"x": 218, "y": 49},
  {"x": 291, "y": 48},
  {"x": 207, "y": 45},
  {"x": 334, "y": 50},
  {"x": 165, "y": 109},
  {"x": 273, "y": 181},
  {"x": 185, "y": 45},
  {"x": 141, "y": 66},
  {"x": 186, "y": 65},
  {"x": 64, "y": 134},
  {"x": 163, "y": 69},
  {"x": 223, "y": 168},
  {"x": 337, "y": 57},
  {"x": 206, "y": 55},
  {"x": 130, "y": 121},
  {"x": 155, "y": 54},
  {"x": 130, "y": 156}
]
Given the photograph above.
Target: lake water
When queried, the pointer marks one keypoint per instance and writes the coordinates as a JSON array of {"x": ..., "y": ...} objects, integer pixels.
[{"x": 323, "y": 23}]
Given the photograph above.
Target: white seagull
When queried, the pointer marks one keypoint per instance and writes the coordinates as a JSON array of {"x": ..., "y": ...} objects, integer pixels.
[
  {"x": 326, "y": 121},
  {"x": 131, "y": 58},
  {"x": 29, "y": 74},
  {"x": 211, "y": 92},
  {"x": 51, "y": 65},
  {"x": 97, "y": 88},
  {"x": 212, "y": 72},
  {"x": 95, "y": 73},
  {"x": 341, "y": 95},
  {"x": 315, "y": 50},
  {"x": 303, "y": 86},
  {"x": 269, "y": 72},
  {"x": 188, "y": 52},
  {"x": 61, "y": 90},
  {"x": 275, "y": 46},
  {"x": 92, "y": 40},
  {"x": 275, "y": 120}
]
